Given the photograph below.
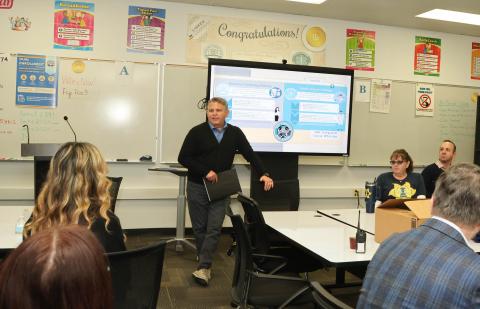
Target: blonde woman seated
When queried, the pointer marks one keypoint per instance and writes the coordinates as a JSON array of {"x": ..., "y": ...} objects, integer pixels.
[
  {"x": 76, "y": 191},
  {"x": 401, "y": 182}
]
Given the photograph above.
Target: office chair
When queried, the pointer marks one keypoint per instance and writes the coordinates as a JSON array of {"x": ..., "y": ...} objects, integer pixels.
[
  {"x": 324, "y": 299},
  {"x": 266, "y": 241},
  {"x": 136, "y": 276},
  {"x": 251, "y": 288},
  {"x": 285, "y": 195},
  {"x": 116, "y": 182}
]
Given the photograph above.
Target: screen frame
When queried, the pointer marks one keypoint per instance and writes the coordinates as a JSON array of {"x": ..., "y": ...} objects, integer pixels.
[{"x": 289, "y": 67}]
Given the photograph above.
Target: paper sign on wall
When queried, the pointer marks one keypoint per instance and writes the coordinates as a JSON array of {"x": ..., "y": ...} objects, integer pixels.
[
  {"x": 424, "y": 103},
  {"x": 381, "y": 92}
]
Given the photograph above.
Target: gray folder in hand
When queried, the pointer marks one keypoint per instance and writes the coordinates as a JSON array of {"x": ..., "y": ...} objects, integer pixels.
[{"x": 226, "y": 185}]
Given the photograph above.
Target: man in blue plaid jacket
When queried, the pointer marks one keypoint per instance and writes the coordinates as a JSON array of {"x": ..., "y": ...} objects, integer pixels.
[{"x": 432, "y": 266}]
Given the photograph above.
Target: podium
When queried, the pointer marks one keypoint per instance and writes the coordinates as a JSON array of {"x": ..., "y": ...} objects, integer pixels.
[
  {"x": 42, "y": 154},
  {"x": 181, "y": 206}
]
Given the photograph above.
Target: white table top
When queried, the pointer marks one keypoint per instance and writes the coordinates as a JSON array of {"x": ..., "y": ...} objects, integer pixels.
[
  {"x": 327, "y": 238},
  {"x": 367, "y": 220},
  {"x": 350, "y": 216},
  {"x": 8, "y": 220}
]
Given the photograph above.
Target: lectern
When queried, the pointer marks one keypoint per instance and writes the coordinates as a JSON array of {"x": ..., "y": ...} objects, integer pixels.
[{"x": 42, "y": 154}]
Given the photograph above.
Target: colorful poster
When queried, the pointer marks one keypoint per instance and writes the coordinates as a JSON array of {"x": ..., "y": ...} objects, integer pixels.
[
  {"x": 360, "y": 52},
  {"x": 73, "y": 25},
  {"x": 146, "y": 30},
  {"x": 381, "y": 92},
  {"x": 475, "y": 63},
  {"x": 424, "y": 103},
  {"x": 254, "y": 40},
  {"x": 427, "y": 56},
  {"x": 6, "y": 4},
  {"x": 36, "y": 81}
]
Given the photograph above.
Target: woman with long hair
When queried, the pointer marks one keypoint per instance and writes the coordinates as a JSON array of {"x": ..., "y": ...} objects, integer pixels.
[
  {"x": 76, "y": 191},
  {"x": 401, "y": 182},
  {"x": 62, "y": 267}
]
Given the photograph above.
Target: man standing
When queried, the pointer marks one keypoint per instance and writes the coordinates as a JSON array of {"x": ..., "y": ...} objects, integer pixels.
[
  {"x": 209, "y": 148},
  {"x": 432, "y": 266},
  {"x": 445, "y": 158}
]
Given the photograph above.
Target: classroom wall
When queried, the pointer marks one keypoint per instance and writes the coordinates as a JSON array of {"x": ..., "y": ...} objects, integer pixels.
[{"x": 147, "y": 199}]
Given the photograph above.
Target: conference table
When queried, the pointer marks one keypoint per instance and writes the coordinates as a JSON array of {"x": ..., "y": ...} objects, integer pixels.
[
  {"x": 367, "y": 221},
  {"x": 326, "y": 238},
  {"x": 8, "y": 219},
  {"x": 326, "y": 234}
]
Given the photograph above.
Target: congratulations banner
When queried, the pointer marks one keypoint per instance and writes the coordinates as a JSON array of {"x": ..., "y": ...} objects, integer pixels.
[{"x": 254, "y": 40}]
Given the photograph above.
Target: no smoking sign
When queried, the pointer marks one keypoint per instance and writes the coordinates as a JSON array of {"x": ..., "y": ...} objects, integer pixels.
[{"x": 425, "y": 101}]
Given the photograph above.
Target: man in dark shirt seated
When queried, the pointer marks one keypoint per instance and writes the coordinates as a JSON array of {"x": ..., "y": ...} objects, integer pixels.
[
  {"x": 432, "y": 266},
  {"x": 430, "y": 174}
]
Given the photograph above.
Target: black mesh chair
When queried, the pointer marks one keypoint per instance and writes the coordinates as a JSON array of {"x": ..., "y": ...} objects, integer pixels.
[
  {"x": 285, "y": 195},
  {"x": 136, "y": 276},
  {"x": 251, "y": 288},
  {"x": 116, "y": 182},
  {"x": 266, "y": 241}
]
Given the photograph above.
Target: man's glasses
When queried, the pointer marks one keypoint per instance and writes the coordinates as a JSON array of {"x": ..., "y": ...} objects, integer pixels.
[{"x": 392, "y": 162}]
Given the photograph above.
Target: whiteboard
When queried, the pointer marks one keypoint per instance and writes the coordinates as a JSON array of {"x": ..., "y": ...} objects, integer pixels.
[
  {"x": 116, "y": 112},
  {"x": 376, "y": 135}
]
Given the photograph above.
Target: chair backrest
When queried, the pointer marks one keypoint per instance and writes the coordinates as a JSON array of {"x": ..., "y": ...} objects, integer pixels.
[
  {"x": 243, "y": 261},
  {"x": 255, "y": 224},
  {"x": 136, "y": 276},
  {"x": 285, "y": 195},
  {"x": 116, "y": 181},
  {"x": 326, "y": 300}
]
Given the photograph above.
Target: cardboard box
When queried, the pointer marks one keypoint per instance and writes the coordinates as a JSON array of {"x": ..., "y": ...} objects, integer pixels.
[{"x": 396, "y": 216}]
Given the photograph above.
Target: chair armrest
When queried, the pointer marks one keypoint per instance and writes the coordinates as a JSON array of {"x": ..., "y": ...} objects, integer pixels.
[
  {"x": 277, "y": 277},
  {"x": 282, "y": 259},
  {"x": 268, "y": 256}
]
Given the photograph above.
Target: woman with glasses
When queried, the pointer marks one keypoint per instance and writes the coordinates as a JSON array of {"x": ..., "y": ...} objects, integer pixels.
[{"x": 401, "y": 182}]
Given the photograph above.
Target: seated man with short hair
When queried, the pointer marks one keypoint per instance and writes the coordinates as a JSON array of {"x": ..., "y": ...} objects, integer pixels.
[{"x": 432, "y": 266}]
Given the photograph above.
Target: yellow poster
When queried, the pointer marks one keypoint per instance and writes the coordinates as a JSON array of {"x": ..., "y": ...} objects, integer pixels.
[{"x": 254, "y": 40}]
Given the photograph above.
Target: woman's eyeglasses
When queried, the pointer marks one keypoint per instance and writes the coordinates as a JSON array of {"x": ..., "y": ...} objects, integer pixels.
[{"x": 392, "y": 162}]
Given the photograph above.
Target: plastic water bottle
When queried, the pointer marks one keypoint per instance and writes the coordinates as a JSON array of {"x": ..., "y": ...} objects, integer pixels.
[
  {"x": 20, "y": 224},
  {"x": 370, "y": 193},
  {"x": 22, "y": 219}
]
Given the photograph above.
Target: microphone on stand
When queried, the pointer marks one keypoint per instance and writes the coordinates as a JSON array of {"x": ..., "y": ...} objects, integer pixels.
[
  {"x": 28, "y": 133},
  {"x": 357, "y": 194},
  {"x": 74, "y": 135},
  {"x": 361, "y": 238}
]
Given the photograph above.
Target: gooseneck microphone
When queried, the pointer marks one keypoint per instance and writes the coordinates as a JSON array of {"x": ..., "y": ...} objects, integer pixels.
[
  {"x": 28, "y": 133},
  {"x": 74, "y": 134}
]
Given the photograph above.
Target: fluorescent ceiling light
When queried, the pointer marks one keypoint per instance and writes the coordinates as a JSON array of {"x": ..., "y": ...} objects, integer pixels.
[
  {"x": 454, "y": 16},
  {"x": 309, "y": 1}
]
